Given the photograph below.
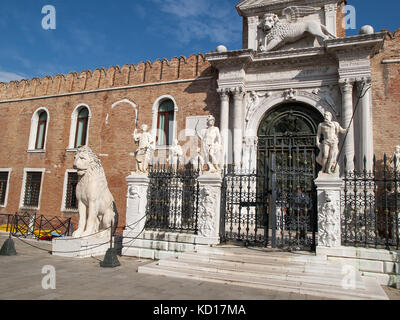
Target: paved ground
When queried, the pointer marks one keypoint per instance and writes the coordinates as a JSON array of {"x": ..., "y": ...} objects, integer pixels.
[{"x": 21, "y": 278}]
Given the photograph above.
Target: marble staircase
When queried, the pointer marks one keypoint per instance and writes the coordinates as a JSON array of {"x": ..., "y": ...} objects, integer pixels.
[{"x": 302, "y": 273}]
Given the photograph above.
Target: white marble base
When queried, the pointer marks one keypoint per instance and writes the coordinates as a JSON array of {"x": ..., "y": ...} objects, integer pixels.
[
  {"x": 80, "y": 248},
  {"x": 378, "y": 263}
]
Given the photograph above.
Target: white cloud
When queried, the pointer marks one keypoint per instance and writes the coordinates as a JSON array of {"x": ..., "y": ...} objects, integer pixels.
[
  {"x": 202, "y": 19},
  {"x": 10, "y": 76}
]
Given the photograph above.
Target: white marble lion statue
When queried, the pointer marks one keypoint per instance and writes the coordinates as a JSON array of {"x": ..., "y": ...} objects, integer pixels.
[
  {"x": 96, "y": 205},
  {"x": 277, "y": 33}
]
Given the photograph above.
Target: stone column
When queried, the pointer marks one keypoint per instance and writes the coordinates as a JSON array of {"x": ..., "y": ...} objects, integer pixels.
[
  {"x": 209, "y": 218},
  {"x": 252, "y": 25},
  {"x": 138, "y": 185},
  {"x": 347, "y": 113},
  {"x": 224, "y": 125},
  {"x": 330, "y": 17},
  {"x": 366, "y": 132},
  {"x": 238, "y": 94},
  {"x": 329, "y": 211}
]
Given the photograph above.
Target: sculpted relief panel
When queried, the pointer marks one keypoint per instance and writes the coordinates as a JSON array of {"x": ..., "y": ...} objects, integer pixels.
[{"x": 275, "y": 33}]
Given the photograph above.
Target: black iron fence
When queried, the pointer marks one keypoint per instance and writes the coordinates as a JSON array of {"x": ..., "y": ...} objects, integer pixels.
[
  {"x": 28, "y": 224},
  {"x": 173, "y": 199},
  {"x": 244, "y": 206},
  {"x": 371, "y": 205}
]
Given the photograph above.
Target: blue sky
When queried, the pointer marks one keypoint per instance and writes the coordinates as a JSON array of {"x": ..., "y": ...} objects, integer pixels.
[{"x": 101, "y": 33}]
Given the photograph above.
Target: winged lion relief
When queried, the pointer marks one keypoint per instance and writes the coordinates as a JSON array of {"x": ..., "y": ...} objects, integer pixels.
[{"x": 276, "y": 33}]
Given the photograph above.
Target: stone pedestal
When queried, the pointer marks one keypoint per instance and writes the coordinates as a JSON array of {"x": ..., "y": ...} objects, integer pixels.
[
  {"x": 80, "y": 248},
  {"x": 210, "y": 207},
  {"x": 329, "y": 226},
  {"x": 138, "y": 185}
]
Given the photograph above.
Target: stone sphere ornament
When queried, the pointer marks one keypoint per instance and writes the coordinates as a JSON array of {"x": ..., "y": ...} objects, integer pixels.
[
  {"x": 221, "y": 49},
  {"x": 367, "y": 29}
]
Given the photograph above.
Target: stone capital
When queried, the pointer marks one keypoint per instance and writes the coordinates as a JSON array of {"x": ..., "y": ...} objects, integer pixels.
[
  {"x": 364, "y": 80},
  {"x": 253, "y": 20},
  {"x": 238, "y": 92},
  {"x": 346, "y": 85},
  {"x": 223, "y": 93},
  {"x": 331, "y": 8}
]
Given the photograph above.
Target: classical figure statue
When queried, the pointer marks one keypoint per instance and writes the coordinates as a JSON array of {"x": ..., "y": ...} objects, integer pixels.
[
  {"x": 175, "y": 153},
  {"x": 329, "y": 131},
  {"x": 93, "y": 194},
  {"x": 395, "y": 168},
  {"x": 276, "y": 33},
  {"x": 145, "y": 149},
  {"x": 396, "y": 155},
  {"x": 211, "y": 142}
]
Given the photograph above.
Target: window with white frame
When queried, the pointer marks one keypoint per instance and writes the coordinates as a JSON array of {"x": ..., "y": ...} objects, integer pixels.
[
  {"x": 4, "y": 186},
  {"x": 31, "y": 188},
  {"x": 70, "y": 203},
  {"x": 165, "y": 124},
  {"x": 79, "y": 132},
  {"x": 38, "y": 133},
  {"x": 164, "y": 121}
]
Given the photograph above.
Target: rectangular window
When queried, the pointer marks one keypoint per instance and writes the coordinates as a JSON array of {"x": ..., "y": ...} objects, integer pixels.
[
  {"x": 71, "y": 202},
  {"x": 32, "y": 189},
  {"x": 3, "y": 187}
]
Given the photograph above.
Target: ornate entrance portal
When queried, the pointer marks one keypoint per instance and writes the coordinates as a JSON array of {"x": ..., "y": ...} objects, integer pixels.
[
  {"x": 275, "y": 205},
  {"x": 287, "y": 148}
]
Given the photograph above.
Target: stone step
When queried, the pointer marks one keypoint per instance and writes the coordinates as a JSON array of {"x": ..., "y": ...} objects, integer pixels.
[
  {"x": 260, "y": 253},
  {"x": 262, "y": 263},
  {"x": 148, "y": 253},
  {"x": 372, "y": 291},
  {"x": 261, "y": 258},
  {"x": 160, "y": 245},
  {"x": 320, "y": 276}
]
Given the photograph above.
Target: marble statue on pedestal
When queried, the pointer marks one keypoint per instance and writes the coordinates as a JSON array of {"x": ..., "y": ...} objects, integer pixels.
[
  {"x": 276, "y": 33},
  {"x": 93, "y": 195},
  {"x": 329, "y": 131},
  {"x": 145, "y": 149},
  {"x": 211, "y": 142},
  {"x": 175, "y": 154}
]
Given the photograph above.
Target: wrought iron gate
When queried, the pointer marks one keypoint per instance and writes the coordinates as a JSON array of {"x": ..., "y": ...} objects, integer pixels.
[{"x": 273, "y": 206}]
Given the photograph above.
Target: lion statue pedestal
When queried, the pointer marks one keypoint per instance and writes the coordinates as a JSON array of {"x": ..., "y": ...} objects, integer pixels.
[
  {"x": 98, "y": 216},
  {"x": 80, "y": 248}
]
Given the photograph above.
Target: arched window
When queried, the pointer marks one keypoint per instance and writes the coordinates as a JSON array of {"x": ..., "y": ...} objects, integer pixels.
[
  {"x": 165, "y": 124},
  {"x": 81, "y": 127},
  {"x": 41, "y": 131},
  {"x": 38, "y": 132}
]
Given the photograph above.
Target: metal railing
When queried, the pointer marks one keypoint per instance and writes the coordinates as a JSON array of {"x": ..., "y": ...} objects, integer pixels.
[
  {"x": 6, "y": 221},
  {"x": 173, "y": 199},
  {"x": 371, "y": 205},
  {"x": 27, "y": 224}
]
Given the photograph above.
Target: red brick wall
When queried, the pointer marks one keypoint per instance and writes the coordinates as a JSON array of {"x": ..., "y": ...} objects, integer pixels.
[
  {"x": 114, "y": 138},
  {"x": 386, "y": 97}
]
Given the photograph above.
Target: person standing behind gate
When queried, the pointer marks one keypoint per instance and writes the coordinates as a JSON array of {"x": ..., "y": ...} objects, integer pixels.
[{"x": 329, "y": 131}]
